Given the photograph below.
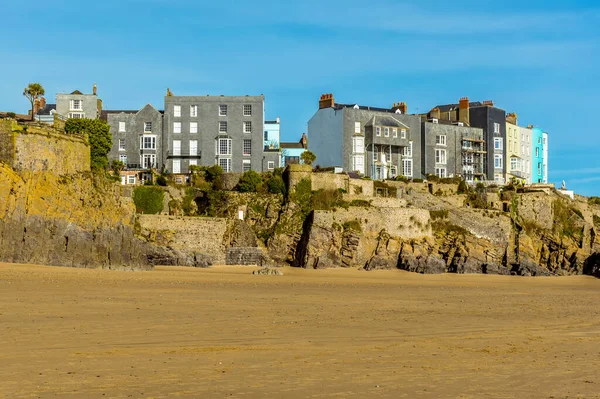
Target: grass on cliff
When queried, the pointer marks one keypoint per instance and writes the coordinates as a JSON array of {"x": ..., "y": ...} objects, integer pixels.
[
  {"x": 568, "y": 221},
  {"x": 148, "y": 200}
]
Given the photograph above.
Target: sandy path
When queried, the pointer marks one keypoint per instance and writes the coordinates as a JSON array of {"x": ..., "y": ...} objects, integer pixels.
[{"x": 222, "y": 332}]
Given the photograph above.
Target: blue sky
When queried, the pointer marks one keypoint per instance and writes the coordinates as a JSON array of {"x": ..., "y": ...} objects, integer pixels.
[{"x": 536, "y": 58}]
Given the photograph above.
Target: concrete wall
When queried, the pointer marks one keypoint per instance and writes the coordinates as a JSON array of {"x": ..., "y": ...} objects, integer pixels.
[
  {"x": 208, "y": 129},
  {"x": 325, "y": 137},
  {"x": 190, "y": 234},
  {"x": 36, "y": 148}
]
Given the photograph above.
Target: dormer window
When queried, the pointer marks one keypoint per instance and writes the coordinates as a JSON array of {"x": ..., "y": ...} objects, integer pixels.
[{"x": 378, "y": 131}]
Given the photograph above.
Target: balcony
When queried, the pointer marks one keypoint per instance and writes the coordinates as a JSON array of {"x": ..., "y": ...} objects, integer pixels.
[{"x": 183, "y": 155}]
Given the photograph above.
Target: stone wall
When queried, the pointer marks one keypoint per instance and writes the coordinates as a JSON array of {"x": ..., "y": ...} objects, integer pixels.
[
  {"x": 192, "y": 234},
  {"x": 245, "y": 256},
  {"x": 330, "y": 181},
  {"x": 361, "y": 187},
  {"x": 37, "y": 148},
  {"x": 537, "y": 207}
]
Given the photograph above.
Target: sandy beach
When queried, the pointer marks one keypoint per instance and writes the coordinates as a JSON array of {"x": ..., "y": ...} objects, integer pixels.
[{"x": 224, "y": 333}]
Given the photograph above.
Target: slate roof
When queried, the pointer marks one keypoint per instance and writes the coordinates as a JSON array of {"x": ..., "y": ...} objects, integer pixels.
[
  {"x": 387, "y": 121},
  {"x": 77, "y": 92},
  {"x": 363, "y": 107},
  {"x": 46, "y": 110},
  {"x": 450, "y": 107}
]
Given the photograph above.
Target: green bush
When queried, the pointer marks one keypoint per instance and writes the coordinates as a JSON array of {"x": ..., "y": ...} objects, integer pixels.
[
  {"x": 161, "y": 180},
  {"x": 352, "y": 225},
  {"x": 359, "y": 202},
  {"x": 11, "y": 115},
  {"x": 440, "y": 214},
  {"x": 99, "y": 137},
  {"x": 303, "y": 195},
  {"x": 249, "y": 182},
  {"x": 463, "y": 188},
  {"x": 594, "y": 201},
  {"x": 148, "y": 200},
  {"x": 212, "y": 173},
  {"x": 277, "y": 185},
  {"x": 402, "y": 179},
  {"x": 597, "y": 221},
  {"x": 325, "y": 200}
]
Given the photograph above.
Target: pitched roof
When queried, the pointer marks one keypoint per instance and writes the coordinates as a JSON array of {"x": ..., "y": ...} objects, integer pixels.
[
  {"x": 388, "y": 121},
  {"x": 46, "y": 110},
  {"x": 77, "y": 92},
  {"x": 451, "y": 107},
  {"x": 363, "y": 107}
]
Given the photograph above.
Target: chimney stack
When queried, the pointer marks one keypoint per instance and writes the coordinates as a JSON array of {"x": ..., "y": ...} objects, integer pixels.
[
  {"x": 304, "y": 141},
  {"x": 511, "y": 118},
  {"x": 401, "y": 106},
  {"x": 95, "y": 90},
  {"x": 434, "y": 113},
  {"x": 36, "y": 106},
  {"x": 326, "y": 101},
  {"x": 463, "y": 111},
  {"x": 488, "y": 103}
]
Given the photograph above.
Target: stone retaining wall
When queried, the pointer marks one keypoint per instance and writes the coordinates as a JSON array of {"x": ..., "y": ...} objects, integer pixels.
[{"x": 246, "y": 256}]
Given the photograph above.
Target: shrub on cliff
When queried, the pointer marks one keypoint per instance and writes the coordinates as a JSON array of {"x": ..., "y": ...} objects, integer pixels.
[
  {"x": 249, "y": 182},
  {"x": 276, "y": 185},
  {"x": 148, "y": 200},
  {"x": 99, "y": 138}
]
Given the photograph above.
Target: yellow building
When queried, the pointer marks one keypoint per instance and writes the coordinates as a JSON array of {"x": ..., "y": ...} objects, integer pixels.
[{"x": 515, "y": 167}]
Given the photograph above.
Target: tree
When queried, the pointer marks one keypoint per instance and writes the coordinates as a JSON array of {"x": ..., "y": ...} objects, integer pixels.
[
  {"x": 117, "y": 167},
  {"x": 99, "y": 138},
  {"x": 33, "y": 92},
  {"x": 308, "y": 157}
]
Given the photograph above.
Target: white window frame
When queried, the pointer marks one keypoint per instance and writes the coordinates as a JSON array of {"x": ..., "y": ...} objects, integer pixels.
[
  {"x": 193, "y": 162},
  {"x": 193, "y": 127},
  {"x": 123, "y": 158},
  {"x": 247, "y": 126},
  {"x": 537, "y": 152},
  {"x": 498, "y": 143},
  {"x": 441, "y": 157},
  {"x": 246, "y": 165},
  {"x": 72, "y": 106},
  {"x": 247, "y": 147},
  {"x": 357, "y": 127},
  {"x": 176, "y": 148},
  {"x": 227, "y": 162},
  {"x": 148, "y": 138},
  {"x": 193, "y": 111},
  {"x": 147, "y": 127},
  {"x": 148, "y": 160},
  {"x": 176, "y": 166},
  {"x": 122, "y": 127},
  {"x": 407, "y": 165},
  {"x": 177, "y": 111},
  {"x": 247, "y": 109},
  {"x": 358, "y": 163},
  {"x": 358, "y": 145},
  {"x": 440, "y": 139},
  {"x": 386, "y": 132},
  {"x": 193, "y": 147},
  {"x": 496, "y": 128},
  {"x": 122, "y": 145},
  {"x": 223, "y": 110},
  {"x": 270, "y": 165},
  {"x": 395, "y": 133},
  {"x": 497, "y": 161},
  {"x": 441, "y": 172},
  {"x": 407, "y": 151},
  {"x": 222, "y": 126},
  {"x": 77, "y": 115},
  {"x": 131, "y": 179},
  {"x": 403, "y": 133},
  {"x": 378, "y": 131},
  {"x": 224, "y": 147},
  {"x": 176, "y": 127}
]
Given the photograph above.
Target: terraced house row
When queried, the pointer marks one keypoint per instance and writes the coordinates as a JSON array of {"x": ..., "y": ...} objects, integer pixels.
[
  {"x": 474, "y": 140},
  {"x": 477, "y": 141}
]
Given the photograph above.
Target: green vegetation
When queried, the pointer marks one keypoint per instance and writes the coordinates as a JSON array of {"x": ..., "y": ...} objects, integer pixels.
[
  {"x": 308, "y": 157},
  {"x": 117, "y": 167},
  {"x": 353, "y": 225},
  {"x": 360, "y": 202},
  {"x": 99, "y": 138},
  {"x": 596, "y": 221},
  {"x": 567, "y": 220},
  {"x": 161, "y": 180},
  {"x": 148, "y": 200},
  {"x": 326, "y": 200},
  {"x": 276, "y": 185},
  {"x": 11, "y": 115},
  {"x": 249, "y": 182},
  {"x": 594, "y": 201},
  {"x": 463, "y": 187},
  {"x": 33, "y": 92},
  {"x": 445, "y": 227}
]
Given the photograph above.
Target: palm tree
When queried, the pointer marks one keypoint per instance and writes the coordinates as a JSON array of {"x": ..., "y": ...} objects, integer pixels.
[{"x": 33, "y": 92}]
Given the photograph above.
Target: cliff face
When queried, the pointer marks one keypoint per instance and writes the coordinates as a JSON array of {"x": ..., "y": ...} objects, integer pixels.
[{"x": 73, "y": 220}]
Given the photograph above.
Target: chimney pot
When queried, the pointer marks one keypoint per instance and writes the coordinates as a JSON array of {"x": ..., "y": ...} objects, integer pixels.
[
  {"x": 95, "y": 89},
  {"x": 326, "y": 101}
]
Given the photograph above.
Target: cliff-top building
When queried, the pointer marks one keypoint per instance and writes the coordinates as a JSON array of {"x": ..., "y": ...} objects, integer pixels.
[
  {"x": 376, "y": 142},
  {"x": 79, "y": 105}
]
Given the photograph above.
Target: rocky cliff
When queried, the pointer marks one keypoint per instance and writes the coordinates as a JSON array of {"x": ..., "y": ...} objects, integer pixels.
[{"x": 71, "y": 220}]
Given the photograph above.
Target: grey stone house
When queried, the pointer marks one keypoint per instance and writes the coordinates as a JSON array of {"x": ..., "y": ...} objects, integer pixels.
[
  {"x": 376, "y": 142},
  {"x": 452, "y": 149},
  {"x": 79, "y": 105},
  {"x": 136, "y": 137},
  {"x": 208, "y": 130},
  {"x": 491, "y": 120}
]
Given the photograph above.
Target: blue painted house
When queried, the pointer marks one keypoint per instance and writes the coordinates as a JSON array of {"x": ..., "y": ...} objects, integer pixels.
[{"x": 538, "y": 163}]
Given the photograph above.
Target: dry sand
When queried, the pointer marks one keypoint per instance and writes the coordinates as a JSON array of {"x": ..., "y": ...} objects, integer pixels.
[{"x": 224, "y": 333}]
